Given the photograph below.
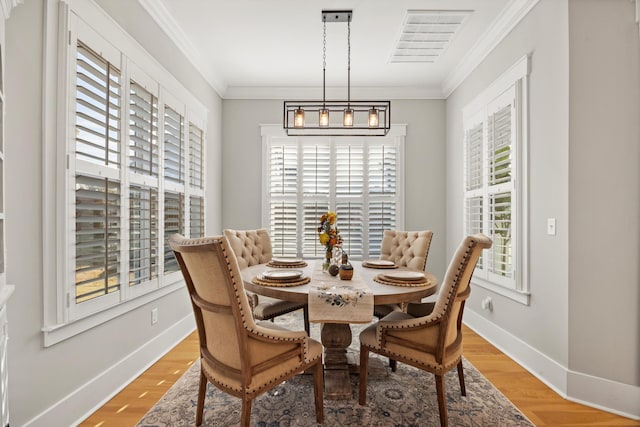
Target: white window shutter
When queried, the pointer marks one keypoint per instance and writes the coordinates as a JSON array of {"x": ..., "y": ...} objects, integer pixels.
[
  {"x": 173, "y": 223},
  {"x": 196, "y": 159},
  {"x": 97, "y": 237},
  {"x": 196, "y": 216},
  {"x": 143, "y": 131},
  {"x": 143, "y": 234},
  {"x": 98, "y": 98},
  {"x": 174, "y": 159}
]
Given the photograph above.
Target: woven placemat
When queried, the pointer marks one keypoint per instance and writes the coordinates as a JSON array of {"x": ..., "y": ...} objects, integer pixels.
[
  {"x": 366, "y": 264},
  {"x": 288, "y": 265},
  {"x": 282, "y": 283},
  {"x": 381, "y": 278}
]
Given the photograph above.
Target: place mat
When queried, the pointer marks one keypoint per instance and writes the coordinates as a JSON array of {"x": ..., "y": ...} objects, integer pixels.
[
  {"x": 373, "y": 264},
  {"x": 303, "y": 280},
  {"x": 277, "y": 264},
  {"x": 381, "y": 278}
]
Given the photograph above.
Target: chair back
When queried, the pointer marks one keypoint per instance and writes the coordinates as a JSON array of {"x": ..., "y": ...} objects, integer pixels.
[
  {"x": 455, "y": 290},
  {"x": 406, "y": 248},
  {"x": 250, "y": 246},
  {"x": 220, "y": 305}
]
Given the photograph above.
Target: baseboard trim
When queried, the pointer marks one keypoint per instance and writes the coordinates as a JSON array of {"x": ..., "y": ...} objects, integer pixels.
[
  {"x": 96, "y": 392},
  {"x": 600, "y": 393}
]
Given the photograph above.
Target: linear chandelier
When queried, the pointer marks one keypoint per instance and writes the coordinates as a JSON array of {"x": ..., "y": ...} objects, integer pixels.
[{"x": 337, "y": 117}]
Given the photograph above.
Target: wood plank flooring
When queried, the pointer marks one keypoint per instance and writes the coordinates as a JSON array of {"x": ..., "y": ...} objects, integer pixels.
[{"x": 538, "y": 402}]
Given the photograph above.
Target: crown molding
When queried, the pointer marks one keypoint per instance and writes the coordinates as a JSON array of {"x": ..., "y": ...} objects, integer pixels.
[
  {"x": 165, "y": 21},
  {"x": 7, "y": 5},
  {"x": 508, "y": 18},
  {"x": 332, "y": 93}
]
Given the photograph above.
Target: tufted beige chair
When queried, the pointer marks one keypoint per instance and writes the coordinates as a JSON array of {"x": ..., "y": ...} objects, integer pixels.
[
  {"x": 431, "y": 342},
  {"x": 405, "y": 248},
  {"x": 237, "y": 355},
  {"x": 254, "y": 247}
]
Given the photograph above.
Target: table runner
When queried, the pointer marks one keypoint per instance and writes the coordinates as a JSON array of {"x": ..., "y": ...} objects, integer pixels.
[{"x": 332, "y": 300}]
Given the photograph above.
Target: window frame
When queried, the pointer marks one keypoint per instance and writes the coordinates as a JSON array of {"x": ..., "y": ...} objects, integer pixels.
[
  {"x": 511, "y": 86},
  {"x": 274, "y": 135},
  {"x": 65, "y": 23}
]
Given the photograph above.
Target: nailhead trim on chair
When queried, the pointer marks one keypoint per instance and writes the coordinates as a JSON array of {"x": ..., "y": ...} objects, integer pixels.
[
  {"x": 250, "y": 328},
  {"x": 452, "y": 292}
]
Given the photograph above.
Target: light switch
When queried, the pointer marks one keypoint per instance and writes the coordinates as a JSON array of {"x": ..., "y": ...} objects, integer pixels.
[{"x": 551, "y": 226}]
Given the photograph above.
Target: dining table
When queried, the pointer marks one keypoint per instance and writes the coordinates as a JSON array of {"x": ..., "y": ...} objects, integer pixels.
[{"x": 336, "y": 336}]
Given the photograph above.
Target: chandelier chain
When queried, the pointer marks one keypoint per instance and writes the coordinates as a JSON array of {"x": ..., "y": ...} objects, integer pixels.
[
  {"x": 348, "y": 61},
  {"x": 324, "y": 59}
]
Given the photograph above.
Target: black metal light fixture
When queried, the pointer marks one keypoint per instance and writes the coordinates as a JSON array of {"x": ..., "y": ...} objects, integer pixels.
[{"x": 359, "y": 118}]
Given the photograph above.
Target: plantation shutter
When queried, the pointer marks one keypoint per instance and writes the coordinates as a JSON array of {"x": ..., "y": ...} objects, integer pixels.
[
  {"x": 143, "y": 234},
  {"x": 311, "y": 213},
  {"x": 196, "y": 214},
  {"x": 473, "y": 153},
  {"x": 98, "y": 97},
  {"x": 316, "y": 182},
  {"x": 143, "y": 131},
  {"x": 489, "y": 147},
  {"x": 97, "y": 237},
  {"x": 283, "y": 190},
  {"x": 174, "y": 166},
  {"x": 173, "y": 223},
  {"x": 349, "y": 191},
  {"x": 500, "y": 142},
  {"x": 95, "y": 174},
  {"x": 307, "y": 177},
  {"x": 195, "y": 156},
  {"x": 382, "y": 164}
]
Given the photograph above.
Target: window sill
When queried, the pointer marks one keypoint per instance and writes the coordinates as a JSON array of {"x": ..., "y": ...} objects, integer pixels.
[
  {"x": 56, "y": 333},
  {"x": 515, "y": 295}
]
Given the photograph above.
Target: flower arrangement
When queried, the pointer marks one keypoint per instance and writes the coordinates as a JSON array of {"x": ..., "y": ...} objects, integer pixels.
[{"x": 328, "y": 232}]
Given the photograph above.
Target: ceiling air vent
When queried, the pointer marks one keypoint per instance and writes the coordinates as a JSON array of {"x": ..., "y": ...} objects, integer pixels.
[{"x": 426, "y": 34}]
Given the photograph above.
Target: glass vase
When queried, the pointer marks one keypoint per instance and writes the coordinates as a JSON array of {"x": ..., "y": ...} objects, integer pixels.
[{"x": 327, "y": 260}]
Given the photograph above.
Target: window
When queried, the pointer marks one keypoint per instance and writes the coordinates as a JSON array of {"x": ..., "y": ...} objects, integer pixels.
[
  {"x": 358, "y": 178},
  {"x": 494, "y": 166},
  {"x": 126, "y": 180}
]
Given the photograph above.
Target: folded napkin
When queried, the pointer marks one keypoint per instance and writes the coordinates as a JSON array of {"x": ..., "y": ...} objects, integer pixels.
[{"x": 332, "y": 300}]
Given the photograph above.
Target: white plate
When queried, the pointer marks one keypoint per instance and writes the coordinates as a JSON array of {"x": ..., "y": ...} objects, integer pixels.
[
  {"x": 380, "y": 262},
  {"x": 405, "y": 275},
  {"x": 282, "y": 274},
  {"x": 286, "y": 260}
]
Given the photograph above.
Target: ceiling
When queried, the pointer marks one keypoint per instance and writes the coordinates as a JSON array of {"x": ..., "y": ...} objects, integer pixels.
[{"x": 265, "y": 49}]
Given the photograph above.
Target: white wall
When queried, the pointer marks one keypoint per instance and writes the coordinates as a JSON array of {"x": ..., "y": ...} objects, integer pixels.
[
  {"x": 424, "y": 166},
  {"x": 60, "y": 384},
  {"x": 580, "y": 333}
]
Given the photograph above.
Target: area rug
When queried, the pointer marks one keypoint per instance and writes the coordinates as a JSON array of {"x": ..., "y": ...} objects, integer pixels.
[{"x": 406, "y": 397}]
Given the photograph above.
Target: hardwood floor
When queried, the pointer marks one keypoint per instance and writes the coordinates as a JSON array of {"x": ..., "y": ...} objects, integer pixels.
[{"x": 538, "y": 402}]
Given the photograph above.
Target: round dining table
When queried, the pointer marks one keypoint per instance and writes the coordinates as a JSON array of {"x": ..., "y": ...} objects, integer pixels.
[{"x": 336, "y": 337}]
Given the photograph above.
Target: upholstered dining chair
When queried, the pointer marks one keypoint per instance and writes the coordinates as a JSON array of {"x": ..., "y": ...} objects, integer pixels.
[
  {"x": 237, "y": 355},
  {"x": 433, "y": 340},
  {"x": 406, "y": 249},
  {"x": 254, "y": 247}
]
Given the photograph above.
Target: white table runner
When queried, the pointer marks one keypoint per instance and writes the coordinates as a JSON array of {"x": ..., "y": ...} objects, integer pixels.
[{"x": 332, "y": 300}]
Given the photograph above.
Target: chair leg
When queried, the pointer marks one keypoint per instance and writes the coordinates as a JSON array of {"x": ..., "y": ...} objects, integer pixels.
[
  {"x": 442, "y": 402},
  {"x": 318, "y": 391},
  {"x": 305, "y": 313},
  {"x": 364, "y": 361},
  {"x": 202, "y": 389},
  {"x": 245, "y": 418},
  {"x": 463, "y": 390},
  {"x": 393, "y": 364}
]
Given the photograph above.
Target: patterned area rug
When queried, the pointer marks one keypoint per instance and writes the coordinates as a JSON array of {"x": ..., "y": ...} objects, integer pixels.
[{"x": 406, "y": 397}]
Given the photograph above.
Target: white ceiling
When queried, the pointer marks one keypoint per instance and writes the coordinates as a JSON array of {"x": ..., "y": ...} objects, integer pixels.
[{"x": 263, "y": 49}]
